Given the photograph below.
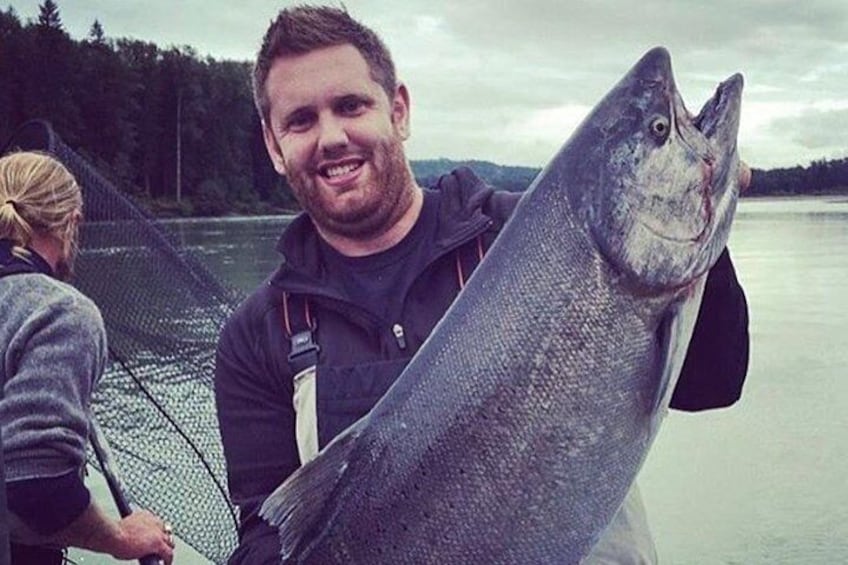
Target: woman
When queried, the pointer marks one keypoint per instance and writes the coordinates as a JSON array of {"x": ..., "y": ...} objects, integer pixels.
[{"x": 53, "y": 346}]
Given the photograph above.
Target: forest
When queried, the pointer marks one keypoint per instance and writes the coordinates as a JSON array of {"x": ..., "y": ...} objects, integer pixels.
[{"x": 179, "y": 134}]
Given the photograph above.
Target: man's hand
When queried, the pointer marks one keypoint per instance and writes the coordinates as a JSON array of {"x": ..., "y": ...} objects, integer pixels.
[
  {"x": 138, "y": 535},
  {"x": 141, "y": 534}
]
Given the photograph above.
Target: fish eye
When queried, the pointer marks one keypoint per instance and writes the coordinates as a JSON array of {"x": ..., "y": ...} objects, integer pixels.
[{"x": 659, "y": 127}]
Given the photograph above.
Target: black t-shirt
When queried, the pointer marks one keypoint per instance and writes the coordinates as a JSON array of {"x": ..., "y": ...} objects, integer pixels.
[{"x": 379, "y": 282}]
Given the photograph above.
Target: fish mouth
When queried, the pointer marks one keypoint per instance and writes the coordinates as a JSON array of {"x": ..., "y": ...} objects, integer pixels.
[
  {"x": 718, "y": 124},
  {"x": 719, "y": 117},
  {"x": 669, "y": 177},
  {"x": 712, "y": 133}
]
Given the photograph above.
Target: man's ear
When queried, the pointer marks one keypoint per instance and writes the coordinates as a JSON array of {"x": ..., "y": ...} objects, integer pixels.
[
  {"x": 400, "y": 111},
  {"x": 273, "y": 149}
]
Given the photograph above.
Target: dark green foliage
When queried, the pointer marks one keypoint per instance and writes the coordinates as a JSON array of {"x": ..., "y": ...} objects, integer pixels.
[
  {"x": 48, "y": 16},
  {"x": 175, "y": 131},
  {"x": 96, "y": 34},
  {"x": 11, "y": 38},
  {"x": 211, "y": 198},
  {"x": 820, "y": 177}
]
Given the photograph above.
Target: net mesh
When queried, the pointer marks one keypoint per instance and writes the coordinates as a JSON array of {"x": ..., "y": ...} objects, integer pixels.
[{"x": 163, "y": 311}]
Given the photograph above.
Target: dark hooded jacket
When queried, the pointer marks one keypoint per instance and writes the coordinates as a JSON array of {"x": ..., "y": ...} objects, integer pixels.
[{"x": 360, "y": 355}]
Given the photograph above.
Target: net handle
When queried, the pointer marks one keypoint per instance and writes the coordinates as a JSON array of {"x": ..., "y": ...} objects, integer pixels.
[{"x": 113, "y": 480}]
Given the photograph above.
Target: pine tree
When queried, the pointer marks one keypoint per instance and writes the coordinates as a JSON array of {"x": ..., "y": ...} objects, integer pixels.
[
  {"x": 95, "y": 34},
  {"x": 48, "y": 16},
  {"x": 52, "y": 74}
]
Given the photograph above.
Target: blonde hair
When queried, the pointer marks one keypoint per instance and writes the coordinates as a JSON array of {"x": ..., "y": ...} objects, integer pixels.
[{"x": 37, "y": 195}]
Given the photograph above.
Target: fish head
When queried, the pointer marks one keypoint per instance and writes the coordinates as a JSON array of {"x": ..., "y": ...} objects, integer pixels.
[{"x": 665, "y": 182}]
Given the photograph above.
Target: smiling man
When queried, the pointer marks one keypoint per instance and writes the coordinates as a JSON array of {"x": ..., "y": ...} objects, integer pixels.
[
  {"x": 337, "y": 135},
  {"x": 370, "y": 267}
]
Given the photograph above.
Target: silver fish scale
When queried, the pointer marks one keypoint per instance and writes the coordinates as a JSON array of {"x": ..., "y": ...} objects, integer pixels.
[{"x": 512, "y": 413}]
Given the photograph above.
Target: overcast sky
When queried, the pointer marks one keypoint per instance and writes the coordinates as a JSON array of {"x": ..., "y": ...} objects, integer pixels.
[{"x": 507, "y": 81}]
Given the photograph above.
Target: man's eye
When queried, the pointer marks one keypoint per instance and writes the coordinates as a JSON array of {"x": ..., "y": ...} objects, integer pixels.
[
  {"x": 350, "y": 106},
  {"x": 299, "y": 122}
]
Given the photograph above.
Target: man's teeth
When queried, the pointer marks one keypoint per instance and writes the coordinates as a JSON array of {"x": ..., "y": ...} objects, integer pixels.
[{"x": 340, "y": 170}]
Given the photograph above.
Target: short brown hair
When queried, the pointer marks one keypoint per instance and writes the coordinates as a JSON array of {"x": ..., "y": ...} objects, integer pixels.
[
  {"x": 302, "y": 29},
  {"x": 37, "y": 194}
]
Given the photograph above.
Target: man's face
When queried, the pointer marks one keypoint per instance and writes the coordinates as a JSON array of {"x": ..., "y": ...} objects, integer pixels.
[{"x": 338, "y": 138}]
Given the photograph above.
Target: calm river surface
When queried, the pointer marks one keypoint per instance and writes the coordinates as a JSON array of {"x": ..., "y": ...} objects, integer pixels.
[{"x": 762, "y": 482}]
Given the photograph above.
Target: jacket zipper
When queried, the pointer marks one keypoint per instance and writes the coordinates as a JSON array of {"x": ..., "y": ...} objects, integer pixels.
[{"x": 397, "y": 329}]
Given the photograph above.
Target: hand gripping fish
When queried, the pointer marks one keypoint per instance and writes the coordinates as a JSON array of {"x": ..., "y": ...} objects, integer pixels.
[{"x": 515, "y": 433}]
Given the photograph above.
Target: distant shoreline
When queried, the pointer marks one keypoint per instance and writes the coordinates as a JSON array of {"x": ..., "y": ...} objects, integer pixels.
[{"x": 290, "y": 214}]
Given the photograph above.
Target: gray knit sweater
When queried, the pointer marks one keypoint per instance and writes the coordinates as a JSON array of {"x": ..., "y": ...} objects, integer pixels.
[{"x": 53, "y": 346}]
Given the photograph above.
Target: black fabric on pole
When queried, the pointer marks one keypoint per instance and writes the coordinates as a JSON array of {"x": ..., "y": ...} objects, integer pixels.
[{"x": 163, "y": 311}]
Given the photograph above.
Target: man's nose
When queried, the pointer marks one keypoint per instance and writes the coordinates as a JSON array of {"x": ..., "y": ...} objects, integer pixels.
[{"x": 332, "y": 134}]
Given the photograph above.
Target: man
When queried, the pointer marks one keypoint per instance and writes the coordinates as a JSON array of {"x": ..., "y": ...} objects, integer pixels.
[
  {"x": 53, "y": 347},
  {"x": 369, "y": 269}
]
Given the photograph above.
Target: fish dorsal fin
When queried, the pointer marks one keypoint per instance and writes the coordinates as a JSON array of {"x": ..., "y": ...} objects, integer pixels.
[
  {"x": 675, "y": 332},
  {"x": 299, "y": 504}
]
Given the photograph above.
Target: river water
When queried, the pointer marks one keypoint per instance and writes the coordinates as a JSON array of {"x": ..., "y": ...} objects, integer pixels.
[
  {"x": 761, "y": 482},
  {"x": 764, "y": 481}
]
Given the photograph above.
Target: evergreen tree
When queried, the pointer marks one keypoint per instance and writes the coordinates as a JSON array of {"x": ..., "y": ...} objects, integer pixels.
[
  {"x": 48, "y": 16},
  {"x": 96, "y": 35},
  {"x": 142, "y": 60},
  {"x": 105, "y": 103},
  {"x": 49, "y": 65}
]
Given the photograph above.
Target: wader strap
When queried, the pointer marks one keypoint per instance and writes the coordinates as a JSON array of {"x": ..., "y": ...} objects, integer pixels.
[
  {"x": 301, "y": 333},
  {"x": 468, "y": 265}
]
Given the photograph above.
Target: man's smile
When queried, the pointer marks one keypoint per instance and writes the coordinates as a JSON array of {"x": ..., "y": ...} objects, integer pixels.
[{"x": 341, "y": 172}]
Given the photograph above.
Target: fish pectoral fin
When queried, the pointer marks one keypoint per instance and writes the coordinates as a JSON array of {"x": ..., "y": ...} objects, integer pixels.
[
  {"x": 667, "y": 378},
  {"x": 297, "y": 505},
  {"x": 674, "y": 333}
]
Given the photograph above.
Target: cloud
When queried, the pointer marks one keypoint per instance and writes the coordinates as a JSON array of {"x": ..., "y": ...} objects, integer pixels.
[
  {"x": 817, "y": 129},
  {"x": 529, "y": 57}
]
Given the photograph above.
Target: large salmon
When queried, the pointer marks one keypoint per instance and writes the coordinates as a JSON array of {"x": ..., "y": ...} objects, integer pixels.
[{"x": 516, "y": 431}]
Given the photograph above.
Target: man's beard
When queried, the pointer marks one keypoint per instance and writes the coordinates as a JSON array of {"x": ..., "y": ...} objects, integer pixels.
[{"x": 392, "y": 179}]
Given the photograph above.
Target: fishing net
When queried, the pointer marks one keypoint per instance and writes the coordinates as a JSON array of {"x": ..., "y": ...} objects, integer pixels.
[{"x": 163, "y": 312}]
